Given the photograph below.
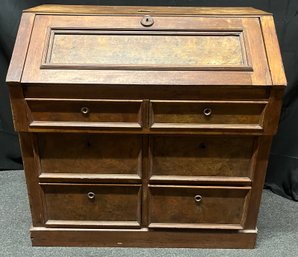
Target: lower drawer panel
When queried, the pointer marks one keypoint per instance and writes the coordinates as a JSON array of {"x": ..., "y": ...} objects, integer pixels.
[
  {"x": 75, "y": 205},
  {"x": 197, "y": 156},
  {"x": 197, "y": 207},
  {"x": 76, "y": 154}
]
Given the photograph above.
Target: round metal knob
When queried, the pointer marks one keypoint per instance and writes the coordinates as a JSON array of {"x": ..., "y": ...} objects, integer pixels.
[
  {"x": 85, "y": 110},
  {"x": 147, "y": 21},
  {"x": 91, "y": 195},
  {"x": 207, "y": 111},
  {"x": 198, "y": 198}
]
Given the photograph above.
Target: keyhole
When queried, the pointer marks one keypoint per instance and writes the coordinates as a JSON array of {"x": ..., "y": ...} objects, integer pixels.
[
  {"x": 147, "y": 21},
  {"x": 202, "y": 145}
]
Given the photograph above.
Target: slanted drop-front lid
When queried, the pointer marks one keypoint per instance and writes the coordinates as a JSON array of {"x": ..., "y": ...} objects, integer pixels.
[{"x": 173, "y": 49}]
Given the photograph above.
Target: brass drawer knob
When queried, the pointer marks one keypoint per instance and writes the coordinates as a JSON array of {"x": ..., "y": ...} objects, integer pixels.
[
  {"x": 147, "y": 21},
  {"x": 198, "y": 198},
  {"x": 91, "y": 195},
  {"x": 207, "y": 111},
  {"x": 85, "y": 110}
]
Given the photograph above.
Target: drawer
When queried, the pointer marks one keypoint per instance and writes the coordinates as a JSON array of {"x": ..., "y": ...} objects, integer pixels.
[
  {"x": 45, "y": 112},
  {"x": 197, "y": 207},
  {"x": 77, "y": 156},
  {"x": 217, "y": 159},
  {"x": 77, "y": 205},
  {"x": 189, "y": 50},
  {"x": 207, "y": 114}
]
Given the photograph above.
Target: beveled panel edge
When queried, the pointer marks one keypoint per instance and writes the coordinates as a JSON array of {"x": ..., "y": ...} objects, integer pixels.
[
  {"x": 45, "y": 177},
  {"x": 244, "y": 188},
  {"x": 86, "y": 125},
  {"x": 195, "y": 226},
  {"x": 83, "y": 223},
  {"x": 84, "y": 100},
  {"x": 213, "y": 132},
  {"x": 202, "y": 180},
  {"x": 213, "y": 101},
  {"x": 145, "y": 67},
  {"x": 172, "y": 126},
  {"x": 45, "y": 184}
]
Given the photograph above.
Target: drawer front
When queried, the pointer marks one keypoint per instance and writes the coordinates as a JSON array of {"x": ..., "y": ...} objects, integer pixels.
[
  {"x": 89, "y": 155},
  {"x": 178, "y": 92},
  {"x": 217, "y": 158},
  {"x": 173, "y": 50},
  {"x": 197, "y": 207},
  {"x": 84, "y": 113},
  {"x": 92, "y": 205},
  {"x": 207, "y": 114}
]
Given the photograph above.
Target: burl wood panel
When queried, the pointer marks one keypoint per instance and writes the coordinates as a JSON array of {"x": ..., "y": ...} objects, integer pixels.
[
  {"x": 111, "y": 205},
  {"x": 196, "y": 112},
  {"x": 85, "y": 111},
  {"x": 90, "y": 153},
  {"x": 179, "y": 206},
  {"x": 174, "y": 50},
  {"x": 228, "y": 156}
]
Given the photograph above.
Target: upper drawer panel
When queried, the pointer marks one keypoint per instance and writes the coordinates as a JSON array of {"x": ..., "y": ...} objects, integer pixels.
[
  {"x": 207, "y": 114},
  {"x": 120, "y": 50},
  {"x": 87, "y": 113}
]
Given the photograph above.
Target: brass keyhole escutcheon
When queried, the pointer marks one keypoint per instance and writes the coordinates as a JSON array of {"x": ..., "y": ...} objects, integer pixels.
[
  {"x": 91, "y": 195},
  {"x": 198, "y": 198},
  {"x": 147, "y": 21},
  {"x": 207, "y": 112},
  {"x": 85, "y": 110}
]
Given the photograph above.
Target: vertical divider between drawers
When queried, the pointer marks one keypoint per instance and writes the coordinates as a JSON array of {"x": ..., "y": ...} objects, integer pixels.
[{"x": 145, "y": 181}]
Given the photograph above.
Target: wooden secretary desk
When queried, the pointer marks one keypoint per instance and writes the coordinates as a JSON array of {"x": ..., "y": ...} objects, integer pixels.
[{"x": 145, "y": 126}]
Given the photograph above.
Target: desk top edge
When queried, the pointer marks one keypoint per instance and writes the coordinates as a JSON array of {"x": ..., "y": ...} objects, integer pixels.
[{"x": 169, "y": 10}]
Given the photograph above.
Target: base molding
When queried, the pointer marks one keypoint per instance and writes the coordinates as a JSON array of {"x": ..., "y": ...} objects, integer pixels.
[{"x": 244, "y": 239}]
